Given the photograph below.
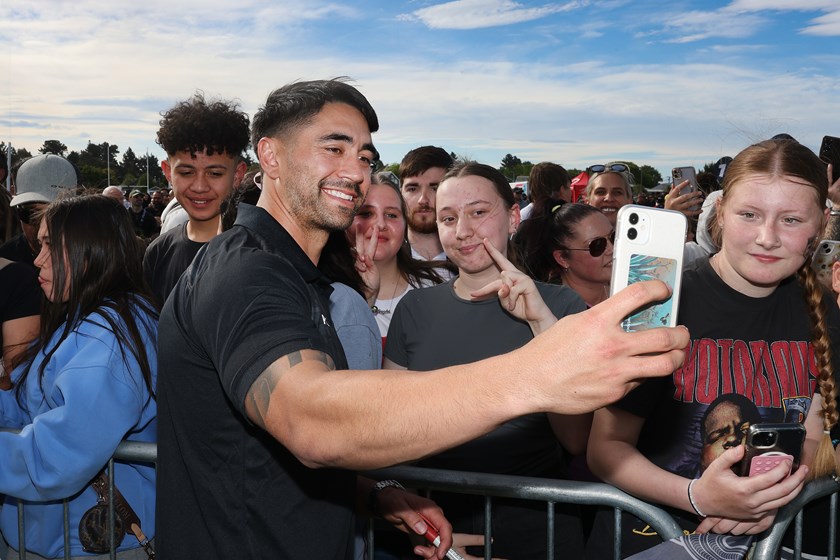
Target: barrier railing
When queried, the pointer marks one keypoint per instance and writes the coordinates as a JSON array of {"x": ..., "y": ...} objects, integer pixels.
[
  {"x": 529, "y": 488},
  {"x": 539, "y": 489},
  {"x": 133, "y": 451},
  {"x": 770, "y": 541}
]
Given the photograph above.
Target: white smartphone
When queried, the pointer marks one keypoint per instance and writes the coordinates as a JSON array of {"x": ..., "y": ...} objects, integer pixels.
[{"x": 649, "y": 246}]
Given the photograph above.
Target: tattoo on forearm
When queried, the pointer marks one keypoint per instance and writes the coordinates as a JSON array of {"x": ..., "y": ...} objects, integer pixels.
[{"x": 258, "y": 399}]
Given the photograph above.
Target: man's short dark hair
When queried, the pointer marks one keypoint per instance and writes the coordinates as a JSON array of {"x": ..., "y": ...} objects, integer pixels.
[
  {"x": 546, "y": 179},
  {"x": 297, "y": 103},
  {"x": 421, "y": 159},
  {"x": 195, "y": 125}
]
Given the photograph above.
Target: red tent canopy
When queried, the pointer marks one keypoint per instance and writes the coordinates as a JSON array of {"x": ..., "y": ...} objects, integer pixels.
[{"x": 578, "y": 186}]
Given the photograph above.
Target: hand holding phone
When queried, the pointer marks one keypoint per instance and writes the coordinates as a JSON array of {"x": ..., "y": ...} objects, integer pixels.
[{"x": 682, "y": 174}]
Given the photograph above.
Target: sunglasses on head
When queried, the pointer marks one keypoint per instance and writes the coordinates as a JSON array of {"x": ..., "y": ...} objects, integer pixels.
[
  {"x": 615, "y": 167},
  {"x": 597, "y": 246},
  {"x": 388, "y": 177}
]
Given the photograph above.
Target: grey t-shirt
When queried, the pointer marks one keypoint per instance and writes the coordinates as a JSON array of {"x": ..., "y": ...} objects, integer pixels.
[{"x": 434, "y": 328}]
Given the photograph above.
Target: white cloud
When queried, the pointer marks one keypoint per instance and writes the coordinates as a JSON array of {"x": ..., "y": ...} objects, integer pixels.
[
  {"x": 476, "y": 14},
  {"x": 77, "y": 75},
  {"x": 698, "y": 25},
  {"x": 782, "y": 5},
  {"x": 827, "y": 25}
]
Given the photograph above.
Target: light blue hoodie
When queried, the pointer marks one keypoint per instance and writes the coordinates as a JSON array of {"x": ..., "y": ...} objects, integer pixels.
[{"x": 89, "y": 400}]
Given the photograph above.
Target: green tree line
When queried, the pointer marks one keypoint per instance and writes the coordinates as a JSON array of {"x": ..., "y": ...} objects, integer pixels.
[{"x": 97, "y": 161}]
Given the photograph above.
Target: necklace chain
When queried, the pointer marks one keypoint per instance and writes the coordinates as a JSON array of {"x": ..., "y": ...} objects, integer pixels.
[{"x": 375, "y": 309}]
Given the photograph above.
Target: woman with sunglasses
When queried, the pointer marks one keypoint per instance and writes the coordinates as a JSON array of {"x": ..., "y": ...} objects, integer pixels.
[
  {"x": 83, "y": 386},
  {"x": 609, "y": 188},
  {"x": 490, "y": 308},
  {"x": 572, "y": 246}
]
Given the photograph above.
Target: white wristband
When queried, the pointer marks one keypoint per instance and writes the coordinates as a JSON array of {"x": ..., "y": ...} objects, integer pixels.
[{"x": 691, "y": 499}]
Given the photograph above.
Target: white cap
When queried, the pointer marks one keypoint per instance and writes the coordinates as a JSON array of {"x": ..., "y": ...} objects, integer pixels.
[{"x": 41, "y": 178}]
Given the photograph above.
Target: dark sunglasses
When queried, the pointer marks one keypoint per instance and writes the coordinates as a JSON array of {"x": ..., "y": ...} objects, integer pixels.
[
  {"x": 26, "y": 214},
  {"x": 615, "y": 167},
  {"x": 597, "y": 246}
]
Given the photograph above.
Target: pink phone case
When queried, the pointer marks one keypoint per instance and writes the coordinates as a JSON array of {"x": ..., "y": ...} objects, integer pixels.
[{"x": 761, "y": 464}]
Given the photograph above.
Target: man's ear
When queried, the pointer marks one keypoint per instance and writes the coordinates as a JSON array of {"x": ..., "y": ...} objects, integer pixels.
[
  {"x": 239, "y": 173},
  {"x": 167, "y": 170},
  {"x": 268, "y": 152}
]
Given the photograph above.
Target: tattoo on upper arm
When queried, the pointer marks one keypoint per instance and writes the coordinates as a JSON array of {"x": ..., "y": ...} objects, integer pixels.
[{"x": 258, "y": 398}]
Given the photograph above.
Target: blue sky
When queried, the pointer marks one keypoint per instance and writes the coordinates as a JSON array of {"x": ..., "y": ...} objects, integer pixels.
[{"x": 577, "y": 83}]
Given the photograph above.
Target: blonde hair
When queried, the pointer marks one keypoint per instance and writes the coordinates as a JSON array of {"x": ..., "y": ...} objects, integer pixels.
[{"x": 788, "y": 158}]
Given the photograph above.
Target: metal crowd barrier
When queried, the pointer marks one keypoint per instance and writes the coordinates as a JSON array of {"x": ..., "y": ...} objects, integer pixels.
[
  {"x": 539, "y": 489},
  {"x": 547, "y": 490},
  {"x": 770, "y": 541},
  {"x": 132, "y": 451}
]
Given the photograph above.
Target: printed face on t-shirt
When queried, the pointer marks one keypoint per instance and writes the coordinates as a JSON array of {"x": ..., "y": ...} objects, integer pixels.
[{"x": 724, "y": 427}]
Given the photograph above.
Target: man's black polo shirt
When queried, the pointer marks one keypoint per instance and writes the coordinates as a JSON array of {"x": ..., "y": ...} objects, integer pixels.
[{"x": 226, "y": 489}]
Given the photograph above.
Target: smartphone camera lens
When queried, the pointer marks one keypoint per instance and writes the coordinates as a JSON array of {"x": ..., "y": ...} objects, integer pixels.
[
  {"x": 764, "y": 439},
  {"x": 632, "y": 233},
  {"x": 634, "y": 219}
]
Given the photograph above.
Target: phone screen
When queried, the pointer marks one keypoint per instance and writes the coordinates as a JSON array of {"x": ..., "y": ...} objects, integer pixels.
[{"x": 649, "y": 267}]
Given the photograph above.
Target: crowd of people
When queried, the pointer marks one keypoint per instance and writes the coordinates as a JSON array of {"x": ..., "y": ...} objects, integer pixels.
[{"x": 278, "y": 331}]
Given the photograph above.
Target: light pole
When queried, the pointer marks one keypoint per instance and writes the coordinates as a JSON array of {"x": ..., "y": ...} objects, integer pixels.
[{"x": 108, "y": 162}]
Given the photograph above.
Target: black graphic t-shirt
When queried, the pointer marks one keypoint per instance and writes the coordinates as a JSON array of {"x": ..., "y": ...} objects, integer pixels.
[{"x": 749, "y": 360}]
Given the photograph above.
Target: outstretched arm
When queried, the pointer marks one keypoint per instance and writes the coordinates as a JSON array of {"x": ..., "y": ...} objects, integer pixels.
[{"x": 370, "y": 419}]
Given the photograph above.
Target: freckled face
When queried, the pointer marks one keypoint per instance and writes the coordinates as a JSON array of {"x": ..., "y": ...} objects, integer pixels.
[
  {"x": 468, "y": 210},
  {"x": 768, "y": 227}
]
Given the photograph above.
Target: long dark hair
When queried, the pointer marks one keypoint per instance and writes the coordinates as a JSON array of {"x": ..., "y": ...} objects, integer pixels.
[
  {"x": 539, "y": 237},
  {"x": 105, "y": 278}
]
